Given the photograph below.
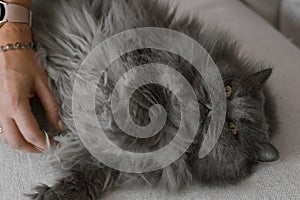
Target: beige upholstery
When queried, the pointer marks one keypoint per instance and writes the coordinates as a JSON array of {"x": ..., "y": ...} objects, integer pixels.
[
  {"x": 269, "y": 9},
  {"x": 283, "y": 14},
  {"x": 280, "y": 180},
  {"x": 289, "y": 22}
]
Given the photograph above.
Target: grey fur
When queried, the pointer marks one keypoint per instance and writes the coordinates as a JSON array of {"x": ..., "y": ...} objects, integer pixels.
[{"x": 67, "y": 30}]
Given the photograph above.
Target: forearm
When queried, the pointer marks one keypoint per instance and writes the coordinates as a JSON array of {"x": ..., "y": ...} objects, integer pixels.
[{"x": 15, "y": 32}]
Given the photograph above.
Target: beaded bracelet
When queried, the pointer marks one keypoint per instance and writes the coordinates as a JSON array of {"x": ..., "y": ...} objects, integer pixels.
[{"x": 18, "y": 45}]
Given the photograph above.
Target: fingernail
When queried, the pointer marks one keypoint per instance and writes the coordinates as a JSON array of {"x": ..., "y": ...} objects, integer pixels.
[
  {"x": 41, "y": 150},
  {"x": 60, "y": 125}
]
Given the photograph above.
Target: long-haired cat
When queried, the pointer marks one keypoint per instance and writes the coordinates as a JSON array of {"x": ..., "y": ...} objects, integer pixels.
[{"x": 66, "y": 31}]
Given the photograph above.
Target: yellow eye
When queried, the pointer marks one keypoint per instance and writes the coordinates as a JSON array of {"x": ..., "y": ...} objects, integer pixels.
[
  {"x": 228, "y": 90},
  {"x": 233, "y": 128}
]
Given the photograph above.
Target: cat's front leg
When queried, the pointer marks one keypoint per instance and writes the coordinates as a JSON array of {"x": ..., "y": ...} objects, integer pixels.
[{"x": 81, "y": 184}]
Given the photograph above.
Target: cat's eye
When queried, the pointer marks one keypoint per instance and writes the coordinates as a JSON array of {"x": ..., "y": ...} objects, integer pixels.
[
  {"x": 228, "y": 90},
  {"x": 233, "y": 128}
]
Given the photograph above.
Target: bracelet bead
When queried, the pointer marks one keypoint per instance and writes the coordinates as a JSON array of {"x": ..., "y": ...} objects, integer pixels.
[{"x": 18, "y": 45}]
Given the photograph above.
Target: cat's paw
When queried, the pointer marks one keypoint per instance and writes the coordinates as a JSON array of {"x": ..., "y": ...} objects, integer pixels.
[{"x": 43, "y": 192}]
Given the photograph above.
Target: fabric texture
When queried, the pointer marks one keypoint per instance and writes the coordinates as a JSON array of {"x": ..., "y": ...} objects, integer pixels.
[
  {"x": 259, "y": 40},
  {"x": 268, "y": 9},
  {"x": 283, "y": 14},
  {"x": 289, "y": 22}
]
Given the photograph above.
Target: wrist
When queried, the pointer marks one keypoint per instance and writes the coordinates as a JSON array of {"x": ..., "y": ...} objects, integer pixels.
[
  {"x": 15, "y": 32},
  {"x": 12, "y": 32}
]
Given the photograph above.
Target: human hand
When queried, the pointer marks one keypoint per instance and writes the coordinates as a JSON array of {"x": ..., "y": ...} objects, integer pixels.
[{"x": 21, "y": 78}]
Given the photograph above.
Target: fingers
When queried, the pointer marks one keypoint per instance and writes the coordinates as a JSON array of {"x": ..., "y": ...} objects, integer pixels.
[
  {"x": 12, "y": 136},
  {"x": 29, "y": 127},
  {"x": 48, "y": 101}
]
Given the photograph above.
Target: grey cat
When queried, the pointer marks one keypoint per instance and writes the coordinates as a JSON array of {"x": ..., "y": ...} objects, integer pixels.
[{"x": 67, "y": 30}]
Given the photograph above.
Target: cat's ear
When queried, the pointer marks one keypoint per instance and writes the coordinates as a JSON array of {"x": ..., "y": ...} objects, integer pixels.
[
  {"x": 267, "y": 153},
  {"x": 259, "y": 79}
]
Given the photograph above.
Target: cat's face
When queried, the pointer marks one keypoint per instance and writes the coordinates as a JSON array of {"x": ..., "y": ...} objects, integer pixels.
[{"x": 244, "y": 140}]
